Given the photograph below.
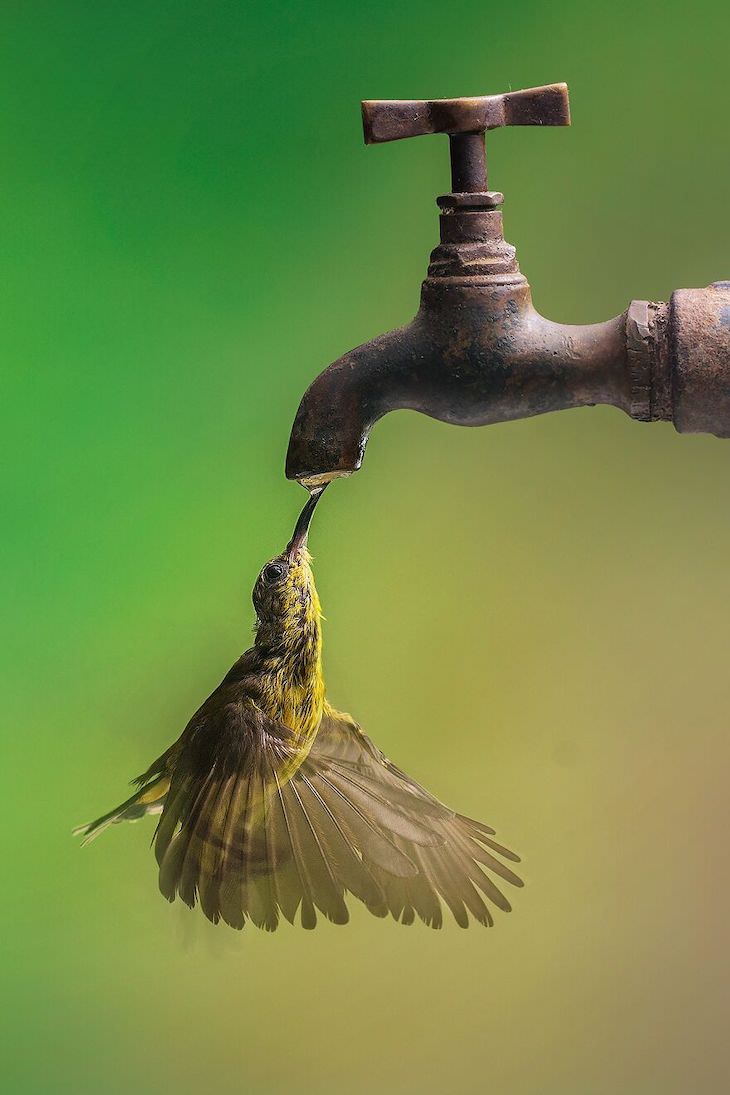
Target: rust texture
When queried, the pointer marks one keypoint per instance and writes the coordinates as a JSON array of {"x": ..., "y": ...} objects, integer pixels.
[
  {"x": 477, "y": 352},
  {"x": 699, "y": 350},
  {"x": 393, "y": 119}
]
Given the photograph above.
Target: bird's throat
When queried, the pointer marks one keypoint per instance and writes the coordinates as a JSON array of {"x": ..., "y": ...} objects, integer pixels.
[{"x": 292, "y": 683}]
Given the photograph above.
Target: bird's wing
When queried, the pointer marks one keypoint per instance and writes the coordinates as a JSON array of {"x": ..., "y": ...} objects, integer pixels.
[
  {"x": 253, "y": 830},
  {"x": 455, "y": 868}
]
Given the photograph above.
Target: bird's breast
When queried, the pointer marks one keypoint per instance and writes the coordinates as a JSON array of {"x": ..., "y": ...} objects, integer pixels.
[{"x": 294, "y": 700}]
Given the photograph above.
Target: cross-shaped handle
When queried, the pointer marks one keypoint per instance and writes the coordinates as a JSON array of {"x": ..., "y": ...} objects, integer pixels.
[{"x": 465, "y": 121}]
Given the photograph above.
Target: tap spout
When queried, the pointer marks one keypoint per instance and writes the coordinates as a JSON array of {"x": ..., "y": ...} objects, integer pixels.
[
  {"x": 474, "y": 354},
  {"x": 342, "y": 404}
]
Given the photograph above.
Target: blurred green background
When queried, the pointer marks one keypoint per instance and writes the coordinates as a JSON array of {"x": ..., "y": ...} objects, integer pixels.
[{"x": 532, "y": 618}]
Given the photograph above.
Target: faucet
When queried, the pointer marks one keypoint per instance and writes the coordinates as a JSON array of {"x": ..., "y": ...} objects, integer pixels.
[{"x": 477, "y": 352}]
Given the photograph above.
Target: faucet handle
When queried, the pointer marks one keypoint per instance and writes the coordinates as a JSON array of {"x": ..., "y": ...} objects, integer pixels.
[{"x": 465, "y": 121}]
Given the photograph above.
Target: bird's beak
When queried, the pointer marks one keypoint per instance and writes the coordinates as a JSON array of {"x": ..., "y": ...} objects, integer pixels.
[{"x": 301, "y": 529}]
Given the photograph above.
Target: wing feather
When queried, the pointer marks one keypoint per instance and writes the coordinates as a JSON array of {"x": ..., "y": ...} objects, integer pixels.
[
  {"x": 390, "y": 818},
  {"x": 183, "y": 811},
  {"x": 265, "y": 857},
  {"x": 254, "y": 830},
  {"x": 230, "y": 890},
  {"x": 454, "y": 866},
  {"x": 375, "y": 845},
  {"x": 252, "y": 861},
  {"x": 326, "y": 892},
  {"x": 308, "y": 914},
  {"x": 348, "y": 865}
]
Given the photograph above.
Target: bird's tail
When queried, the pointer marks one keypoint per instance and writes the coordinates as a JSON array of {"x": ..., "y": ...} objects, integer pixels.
[{"x": 148, "y": 800}]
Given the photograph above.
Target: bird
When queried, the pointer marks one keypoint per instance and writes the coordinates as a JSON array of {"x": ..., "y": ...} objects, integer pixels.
[{"x": 272, "y": 803}]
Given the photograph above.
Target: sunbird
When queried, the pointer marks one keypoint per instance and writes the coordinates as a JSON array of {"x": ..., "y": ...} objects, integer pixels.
[{"x": 273, "y": 803}]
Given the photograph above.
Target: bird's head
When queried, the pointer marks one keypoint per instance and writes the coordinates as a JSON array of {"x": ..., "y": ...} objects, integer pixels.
[{"x": 285, "y": 596}]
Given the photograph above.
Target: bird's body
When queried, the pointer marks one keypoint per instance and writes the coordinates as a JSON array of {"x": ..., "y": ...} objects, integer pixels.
[{"x": 272, "y": 801}]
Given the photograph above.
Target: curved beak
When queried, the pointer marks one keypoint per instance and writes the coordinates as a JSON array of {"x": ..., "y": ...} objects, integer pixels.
[{"x": 301, "y": 529}]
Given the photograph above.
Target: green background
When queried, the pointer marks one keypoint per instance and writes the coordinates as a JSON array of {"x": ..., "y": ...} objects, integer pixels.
[{"x": 532, "y": 618}]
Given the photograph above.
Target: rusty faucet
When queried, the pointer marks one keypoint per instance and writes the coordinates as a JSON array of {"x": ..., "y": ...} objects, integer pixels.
[{"x": 477, "y": 352}]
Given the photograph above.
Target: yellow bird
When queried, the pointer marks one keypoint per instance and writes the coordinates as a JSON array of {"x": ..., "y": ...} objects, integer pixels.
[{"x": 272, "y": 802}]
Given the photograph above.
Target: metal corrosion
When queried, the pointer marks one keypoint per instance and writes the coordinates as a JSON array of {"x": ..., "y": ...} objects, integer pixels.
[
  {"x": 394, "y": 119},
  {"x": 477, "y": 352}
]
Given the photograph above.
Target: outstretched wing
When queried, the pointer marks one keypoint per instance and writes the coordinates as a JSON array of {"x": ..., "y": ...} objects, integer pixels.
[
  {"x": 457, "y": 869},
  {"x": 253, "y": 830}
]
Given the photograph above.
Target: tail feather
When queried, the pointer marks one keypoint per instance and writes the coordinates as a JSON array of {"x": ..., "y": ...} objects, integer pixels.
[{"x": 148, "y": 800}]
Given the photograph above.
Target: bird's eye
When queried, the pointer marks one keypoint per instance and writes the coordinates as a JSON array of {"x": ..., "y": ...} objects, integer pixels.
[{"x": 273, "y": 573}]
